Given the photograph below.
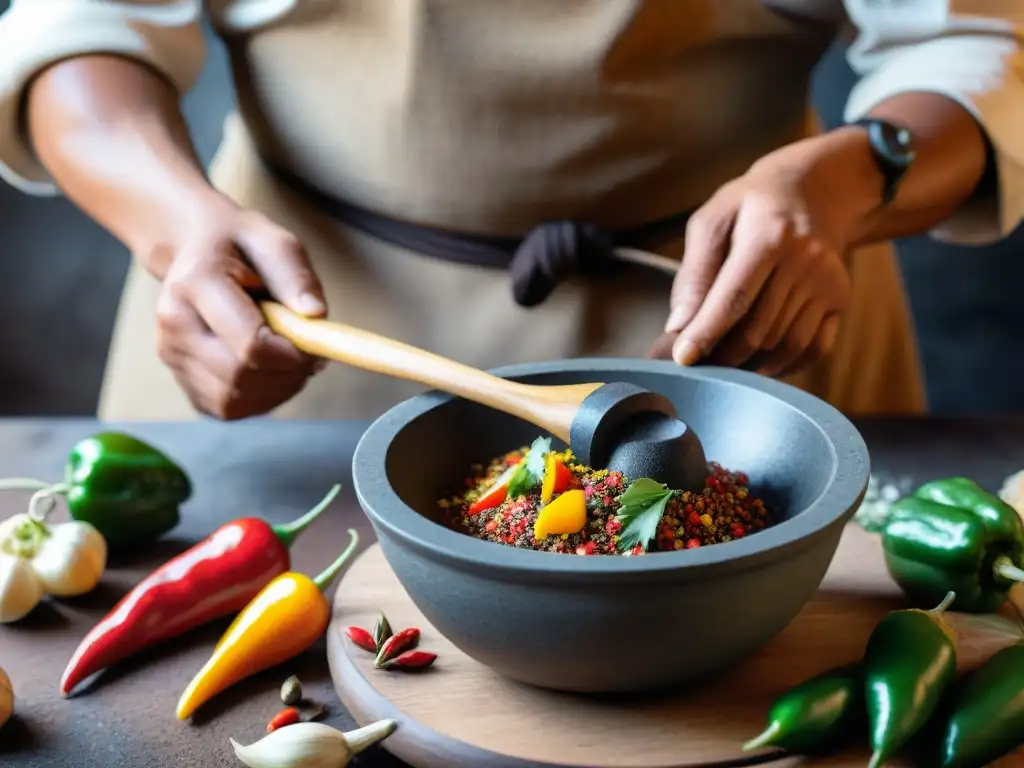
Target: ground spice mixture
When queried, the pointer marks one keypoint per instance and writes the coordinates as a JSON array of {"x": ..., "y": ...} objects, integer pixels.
[{"x": 535, "y": 498}]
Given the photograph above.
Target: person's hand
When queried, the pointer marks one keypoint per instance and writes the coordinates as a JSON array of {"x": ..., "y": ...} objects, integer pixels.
[
  {"x": 211, "y": 333},
  {"x": 763, "y": 282}
]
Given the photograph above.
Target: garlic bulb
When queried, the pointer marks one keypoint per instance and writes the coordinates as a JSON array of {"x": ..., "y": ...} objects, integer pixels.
[
  {"x": 71, "y": 559},
  {"x": 6, "y": 698},
  {"x": 311, "y": 745},
  {"x": 20, "y": 588},
  {"x": 68, "y": 559}
]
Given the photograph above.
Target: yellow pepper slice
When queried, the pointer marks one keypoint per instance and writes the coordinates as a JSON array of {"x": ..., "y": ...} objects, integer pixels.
[
  {"x": 566, "y": 514},
  {"x": 557, "y": 478}
]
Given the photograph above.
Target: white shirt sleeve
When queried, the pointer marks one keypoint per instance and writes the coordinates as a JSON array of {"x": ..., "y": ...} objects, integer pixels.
[
  {"x": 34, "y": 34},
  {"x": 974, "y": 58}
]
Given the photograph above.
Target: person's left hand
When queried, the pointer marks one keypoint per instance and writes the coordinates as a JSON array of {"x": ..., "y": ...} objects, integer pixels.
[{"x": 763, "y": 279}]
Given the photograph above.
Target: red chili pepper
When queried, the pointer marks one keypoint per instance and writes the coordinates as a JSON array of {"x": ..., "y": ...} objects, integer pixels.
[
  {"x": 217, "y": 577},
  {"x": 405, "y": 640},
  {"x": 285, "y": 717},
  {"x": 411, "y": 660},
  {"x": 496, "y": 494},
  {"x": 361, "y": 638}
]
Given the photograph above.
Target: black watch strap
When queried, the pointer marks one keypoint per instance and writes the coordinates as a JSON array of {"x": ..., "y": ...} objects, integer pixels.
[{"x": 892, "y": 148}]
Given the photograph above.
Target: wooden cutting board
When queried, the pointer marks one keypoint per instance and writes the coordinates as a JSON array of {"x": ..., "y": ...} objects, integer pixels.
[{"x": 460, "y": 715}]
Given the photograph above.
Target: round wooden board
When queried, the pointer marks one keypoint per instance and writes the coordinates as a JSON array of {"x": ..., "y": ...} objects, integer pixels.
[{"x": 460, "y": 715}]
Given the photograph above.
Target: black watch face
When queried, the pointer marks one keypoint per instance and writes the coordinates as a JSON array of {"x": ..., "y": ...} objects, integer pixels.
[{"x": 896, "y": 143}]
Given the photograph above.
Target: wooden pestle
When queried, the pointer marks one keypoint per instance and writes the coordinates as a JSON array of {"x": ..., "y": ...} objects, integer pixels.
[
  {"x": 552, "y": 408},
  {"x": 615, "y": 425}
]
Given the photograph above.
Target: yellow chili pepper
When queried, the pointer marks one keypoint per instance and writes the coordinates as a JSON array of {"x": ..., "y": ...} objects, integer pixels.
[
  {"x": 282, "y": 621},
  {"x": 566, "y": 514}
]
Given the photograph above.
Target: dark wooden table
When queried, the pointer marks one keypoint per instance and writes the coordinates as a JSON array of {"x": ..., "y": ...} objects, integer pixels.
[{"x": 276, "y": 470}]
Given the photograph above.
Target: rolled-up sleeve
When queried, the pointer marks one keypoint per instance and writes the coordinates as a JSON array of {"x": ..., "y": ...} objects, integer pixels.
[
  {"x": 35, "y": 34},
  {"x": 975, "y": 58}
]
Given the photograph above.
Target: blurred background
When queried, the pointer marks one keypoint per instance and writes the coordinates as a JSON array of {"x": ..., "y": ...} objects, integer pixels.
[{"x": 62, "y": 277}]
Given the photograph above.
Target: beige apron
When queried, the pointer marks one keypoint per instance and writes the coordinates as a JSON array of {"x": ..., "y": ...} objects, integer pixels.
[{"x": 492, "y": 118}]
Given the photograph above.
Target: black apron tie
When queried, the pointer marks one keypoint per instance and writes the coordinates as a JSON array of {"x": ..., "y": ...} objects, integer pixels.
[{"x": 553, "y": 252}]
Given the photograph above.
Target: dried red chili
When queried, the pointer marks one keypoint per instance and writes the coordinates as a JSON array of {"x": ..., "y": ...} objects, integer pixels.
[
  {"x": 405, "y": 640},
  {"x": 411, "y": 660},
  {"x": 361, "y": 638},
  {"x": 289, "y": 716}
]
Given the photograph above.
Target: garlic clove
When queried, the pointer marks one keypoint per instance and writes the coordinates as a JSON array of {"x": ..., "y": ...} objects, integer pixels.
[
  {"x": 20, "y": 588},
  {"x": 6, "y": 698},
  {"x": 70, "y": 561},
  {"x": 311, "y": 745},
  {"x": 368, "y": 735}
]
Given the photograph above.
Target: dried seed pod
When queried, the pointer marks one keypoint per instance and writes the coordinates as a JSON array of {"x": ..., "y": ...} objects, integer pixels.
[
  {"x": 381, "y": 632},
  {"x": 361, "y": 638},
  {"x": 405, "y": 640},
  {"x": 411, "y": 660},
  {"x": 291, "y": 691}
]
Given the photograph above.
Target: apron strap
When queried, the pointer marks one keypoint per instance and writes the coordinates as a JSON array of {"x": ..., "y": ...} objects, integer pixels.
[{"x": 549, "y": 253}]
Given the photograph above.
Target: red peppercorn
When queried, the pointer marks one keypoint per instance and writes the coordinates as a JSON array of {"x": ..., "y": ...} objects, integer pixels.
[
  {"x": 361, "y": 638},
  {"x": 411, "y": 660},
  {"x": 396, "y": 644},
  {"x": 285, "y": 717}
]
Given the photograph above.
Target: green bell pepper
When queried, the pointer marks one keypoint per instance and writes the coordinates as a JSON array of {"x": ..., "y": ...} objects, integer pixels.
[
  {"x": 129, "y": 490},
  {"x": 953, "y": 536}
]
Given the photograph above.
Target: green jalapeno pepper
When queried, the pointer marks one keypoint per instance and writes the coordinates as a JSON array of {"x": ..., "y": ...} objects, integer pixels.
[
  {"x": 953, "y": 536},
  {"x": 817, "y": 715},
  {"x": 909, "y": 662},
  {"x": 986, "y": 720},
  {"x": 129, "y": 490}
]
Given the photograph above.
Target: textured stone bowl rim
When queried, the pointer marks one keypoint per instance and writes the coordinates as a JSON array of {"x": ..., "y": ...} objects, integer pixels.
[{"x": 843, "y": 491}]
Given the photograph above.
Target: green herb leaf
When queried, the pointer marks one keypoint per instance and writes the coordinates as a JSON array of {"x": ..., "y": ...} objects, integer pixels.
[
  {"x": 531, "y": 469},
  {"x": 641, "y": 508}
]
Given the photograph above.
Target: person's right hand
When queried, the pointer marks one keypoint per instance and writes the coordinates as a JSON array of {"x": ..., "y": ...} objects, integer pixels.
[{"x": 211, "y": 333}]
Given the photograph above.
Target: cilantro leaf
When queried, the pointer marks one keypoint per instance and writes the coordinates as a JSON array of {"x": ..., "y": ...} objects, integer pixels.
[
  {"x": 531, "y": 469},
  {"x": 641, "y": 508}
]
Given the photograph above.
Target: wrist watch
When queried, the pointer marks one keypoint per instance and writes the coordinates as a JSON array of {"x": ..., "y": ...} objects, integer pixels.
[{"x": 893, "y": 149}]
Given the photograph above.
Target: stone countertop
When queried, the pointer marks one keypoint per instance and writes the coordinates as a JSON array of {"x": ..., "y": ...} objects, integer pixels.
[{"x": 277, "y": 470}]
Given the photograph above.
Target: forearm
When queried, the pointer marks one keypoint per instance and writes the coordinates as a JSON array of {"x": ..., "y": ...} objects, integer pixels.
[
  {"x": 950, "y": 162},
  {"x": 110, "y": 132}
]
